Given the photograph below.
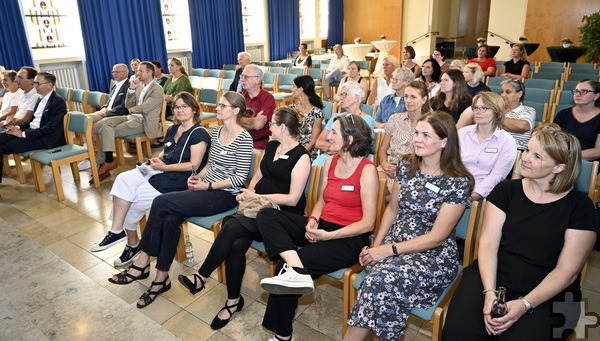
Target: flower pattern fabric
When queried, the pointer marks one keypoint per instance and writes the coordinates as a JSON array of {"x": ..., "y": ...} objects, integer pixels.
[
  {"x": 396, "y": 285},
  {"x": 305, "y": 134}
]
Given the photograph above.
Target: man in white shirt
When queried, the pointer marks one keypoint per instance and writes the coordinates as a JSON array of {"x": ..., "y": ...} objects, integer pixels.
[
  {"x": 337, "y": 68},
  {"x": 144, "y": 102},
  {"x": 24, "y": 80},
  {"x": 12, "y": 97}
]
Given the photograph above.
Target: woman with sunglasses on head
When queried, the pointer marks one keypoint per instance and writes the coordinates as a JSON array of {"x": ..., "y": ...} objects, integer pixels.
[
  {"x": 536, "y": 235},
  {"x": 474, "y": 76},
  {"x": 583, "y": 120},
  {"x": 213, "y": 190},
  {"x": 414, "y": 256},
  {"x": 518, "y": 67},
  {"x": 487, "y": 150},
  {"x": 350, "y": 94},
  {"x": 281, "y": 177},
  {"x": 186, "y": 148},
  {"x": 333, "y": 235}
]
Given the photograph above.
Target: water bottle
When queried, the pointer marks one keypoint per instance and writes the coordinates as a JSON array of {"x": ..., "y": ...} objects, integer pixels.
[{"x": 189, "y": 249}]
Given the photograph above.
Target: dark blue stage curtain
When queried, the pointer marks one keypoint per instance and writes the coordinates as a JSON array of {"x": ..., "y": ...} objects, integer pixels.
[
  {"x": 116, "y": 31},
  {"x": 14, "y": 51},
  {"x": 217, "y": 33},
  {"x": 335, "y": 32},
  {"x": 284, "y": 27}
]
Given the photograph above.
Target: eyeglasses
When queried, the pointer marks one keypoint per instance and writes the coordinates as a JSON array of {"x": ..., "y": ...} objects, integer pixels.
[
  {"x": 559, "y": 134},
  {"x": 38, "y": 83},
  {"x": 273, "y": 123},
  {"x": 582, "y": 92},
  {"x": 437, "y": 55},
  {"x": 343, "y": 94},
  {"x": 246, "y": 76},
  {"x": 480, "y": 109},
  {"x": 177, "y": 107},
  {"x": 223, "y": 106}
]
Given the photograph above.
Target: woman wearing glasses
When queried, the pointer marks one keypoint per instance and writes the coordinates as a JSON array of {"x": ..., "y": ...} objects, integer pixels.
[
  {"x": 350, "y": 94},
  {"x": 414, "y": 255},
  {"x": 537, "y": 234},
  {"x": 213, "y": 190},
  {"x": 487, "y": 150},
  {"x": 333, "y": 235},
  {"x": 281, "y": 177},
  {"x": 186, "y": 148},
  {"x": 382, "y": 85},
  {"x": 583, "y": 120},
  {"x": 393, "y": 103}
]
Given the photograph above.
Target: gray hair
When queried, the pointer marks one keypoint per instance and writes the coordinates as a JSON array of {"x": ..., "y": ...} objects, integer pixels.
[
  {"x": 406, "y": 75},
  {"x": 257, "y": 71},
  {"x": 354, "y": 88}
]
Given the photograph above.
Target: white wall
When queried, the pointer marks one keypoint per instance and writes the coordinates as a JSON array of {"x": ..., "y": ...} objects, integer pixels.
[
  {"x": 415, "y": 22},
  {"x": 507, "y": 18}
]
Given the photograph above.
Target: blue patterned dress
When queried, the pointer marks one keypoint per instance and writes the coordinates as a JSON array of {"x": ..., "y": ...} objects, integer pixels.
[{"x": 396, "y": 285}]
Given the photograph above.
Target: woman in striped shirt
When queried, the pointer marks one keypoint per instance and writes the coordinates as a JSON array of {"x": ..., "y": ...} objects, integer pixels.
[{"x": 213, "y": 190}]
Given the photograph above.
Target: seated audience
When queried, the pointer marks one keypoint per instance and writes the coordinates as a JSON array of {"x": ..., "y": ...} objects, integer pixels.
[
  {"x": 159, "y": 75},
  {"x": 303, "y": 60},
  {"x": 338, "y": 66},
  {"x": 453, "y": 97},
  {"x": 45, "y": 130},
  {"x": 144, "y": 101},
  {"x": 243, "y": 59},
  {"x": 350, "y": 94},
  {"x": 134, "y": 64},
  {"x": 408, "y": 54},
  {"x": 353, "y": 75},
  {"x": 337, "y": 229},
  {"x": 537, "y": 234},
  {"x": 281, "y": 177},
  {"x": 310, "y": 106},
  {"x": 177, "y": 82},
  {"x": 439, "y": 55},
  {"x": 430, "y": 74},
  {"x": 115, "y": 104},
  {"x": 519, "y": 120},
  {"x": 381, "y": 86},
  {"x": 393, "y": 103},
  {"x": 583, "y": 120},
  {"x": 518, "y": 66},
  {"x": 474, "y": 76},
  {"x": 457, "y": 64},
  {"x": 213, "y": 190},
  {"x": 24, "y": 79},
  {"x": 485, "y": 60},
  {"x": 12, "y": 96},
  {"x": 487, "y": 150},
  {"x": 186, "y": 149},
  {"x": 261, "y": 102},
  {"x": 414, "y": 256},
  {"x": 400, "y": 131}
]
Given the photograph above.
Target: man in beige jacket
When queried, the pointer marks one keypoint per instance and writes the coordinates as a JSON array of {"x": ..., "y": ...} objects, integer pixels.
[{"x": 144, "y": 102}]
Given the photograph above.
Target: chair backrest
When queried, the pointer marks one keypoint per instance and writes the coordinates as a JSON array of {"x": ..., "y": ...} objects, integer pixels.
[
  {"x": 311, "y": 190},
  {"x": 586, "y": 181},
  {"x": 296, "y": 71},
  {"x": 271, "y": 64},
  {"x": 557, "y": 108},
  {"x": 327, "y": 110},
  {"x": 495, "y": 88},
  {"x": 549, "y": 75},
  {"x": 540, "y": 110},
  {"x": 269, "y": 80},
  {"x": 318, "y": 75},
  {"x": 552, "y": 64},
  {"x": 213, "y": 83},
  {"x": 565, "y": 97},
  {"x": 581, "y": 66},
  {"x": 539, "y": 95},
  {"x": 76, "y": 122},
  {"x": 376, "y": 145},
  {"x": 64, "y": 92},
  {"x": 230, "y": 67},
  {"x": 196, "y": 81},
  {"x": 286, "y": 79},
  {"x": 495, "y": 81},
  {"x": 465, "y": 229},
  {"x": 214, "y": 73},
  {"x": 208, "y": 96},
  {"x": 367, "y": 109},
  {"x": 581, "y": 76},
  {"x": 540, "y": 83},
  {"x": 226, "y": 83},
  {"x": 228, "y": 74},
  {"x": 199, "y": 72},
  {"x": 95, "y": 100},
  {"x": 277, "y": 69},
  {"x": 78, "y": 99},
  {"x": 569, "y": 85}
]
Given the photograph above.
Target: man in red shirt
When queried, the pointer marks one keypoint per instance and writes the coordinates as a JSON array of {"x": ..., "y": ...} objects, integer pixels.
[{"x": 261, "y": 102}]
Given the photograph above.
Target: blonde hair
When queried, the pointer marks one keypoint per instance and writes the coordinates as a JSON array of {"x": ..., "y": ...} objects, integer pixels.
[
  {"x": 477, "y": 72},
  {"x": 496, "y": 104}
]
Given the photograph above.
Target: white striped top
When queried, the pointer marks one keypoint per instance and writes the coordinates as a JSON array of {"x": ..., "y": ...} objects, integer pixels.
[{"x": 231, "y": 161}]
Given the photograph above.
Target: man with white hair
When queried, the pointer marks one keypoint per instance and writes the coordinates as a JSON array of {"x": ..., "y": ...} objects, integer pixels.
[{"x": 243, "y": 60}]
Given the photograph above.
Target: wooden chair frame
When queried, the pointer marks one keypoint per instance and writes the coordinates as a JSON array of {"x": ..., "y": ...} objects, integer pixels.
[{"x": 142, "y": 142}]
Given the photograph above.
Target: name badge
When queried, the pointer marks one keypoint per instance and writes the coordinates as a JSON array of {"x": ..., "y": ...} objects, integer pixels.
[
  {"x": 432, "y": 187},
  {"x": 223, "y": 152},
  {"x": 283, "y": 157},
  {"x": 168, "y": 144},
  {"x": 491, "y": 150},
  {"x": 347, "y": 188}
]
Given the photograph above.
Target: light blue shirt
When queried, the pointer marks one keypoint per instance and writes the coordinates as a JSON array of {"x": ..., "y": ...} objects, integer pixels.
[{"x": 388, "y": 107}]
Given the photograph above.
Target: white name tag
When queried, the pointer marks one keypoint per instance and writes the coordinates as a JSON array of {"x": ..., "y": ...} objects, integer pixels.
[
  {"x": 347, "y": 188},
  {"x": 432, "y": 187},
  {"x": 491, "y": 150},
  {"x": 223, "y": 152},
  {"x": 168, "y": 144},
  {"x": 283, "y": 157}
]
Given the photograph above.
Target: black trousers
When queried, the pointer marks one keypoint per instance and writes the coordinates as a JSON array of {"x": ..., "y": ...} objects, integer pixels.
[
  {"x": 465, "y": 315},
  {"x": 169, "y": 211},
  {"x": 10, "y": 144},
  {"x": 283, "y": 231}
]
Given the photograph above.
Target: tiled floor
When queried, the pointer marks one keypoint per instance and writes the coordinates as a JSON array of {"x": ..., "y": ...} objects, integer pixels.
[{"x": 43, "y": 298}]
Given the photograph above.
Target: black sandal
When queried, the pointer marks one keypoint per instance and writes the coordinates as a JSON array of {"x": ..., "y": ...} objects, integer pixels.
[
  {"x": 125, "y": 277},
  {"x": 149, "y": 296},
  {"x": 217, "y": 323},
  {"x": 192, "y": 287}
]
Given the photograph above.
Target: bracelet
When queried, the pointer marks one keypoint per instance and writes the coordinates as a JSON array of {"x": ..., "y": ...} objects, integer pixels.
[
  {"x": 488, "y": 290},
  {"x": 394, "y": 249},
  {"x": 210, "y": 188},
  {"x": 312, "y": 217}
]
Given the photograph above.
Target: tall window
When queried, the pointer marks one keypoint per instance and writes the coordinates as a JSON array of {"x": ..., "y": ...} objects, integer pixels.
[
  {"x": 308, "y": 17},
  {"x": 324, "y": 18}
]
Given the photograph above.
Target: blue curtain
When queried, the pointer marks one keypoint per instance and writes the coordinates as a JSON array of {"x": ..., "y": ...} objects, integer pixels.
[
  {"x": 217, "y": 33},
  {"x": 116, "y": 31},
  {"x": 14, "y": 51},
  {"x": 335, "y": 32},
  {"x": 284, "y": 27}
]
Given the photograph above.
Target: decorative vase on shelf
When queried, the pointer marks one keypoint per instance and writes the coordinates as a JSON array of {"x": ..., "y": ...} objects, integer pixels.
[{"x": 566, "y": 45}]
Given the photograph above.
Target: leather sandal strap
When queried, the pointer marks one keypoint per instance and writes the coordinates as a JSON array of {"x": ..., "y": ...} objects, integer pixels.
[{"x": 202, "y": 282}]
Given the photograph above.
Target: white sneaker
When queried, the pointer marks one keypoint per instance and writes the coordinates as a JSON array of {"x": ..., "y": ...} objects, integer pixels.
[
  {"x": 85, "y": 164},
  {"x": 288, "y": 282}
]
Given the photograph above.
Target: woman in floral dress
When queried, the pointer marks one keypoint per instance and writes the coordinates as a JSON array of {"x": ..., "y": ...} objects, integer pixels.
[{"x": 414, "y": 255}]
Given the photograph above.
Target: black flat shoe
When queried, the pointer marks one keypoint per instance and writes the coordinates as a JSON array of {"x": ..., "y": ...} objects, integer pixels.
[
  {"x": 149, "y": 296},
  {"x": 125, "y": 277},
  {"x": 217, "y": 323},
  {"x": 192, "y": 287}
]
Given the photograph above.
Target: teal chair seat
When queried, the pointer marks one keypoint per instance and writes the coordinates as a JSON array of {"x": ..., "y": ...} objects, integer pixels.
[
  {"x": 285, "y": 87},
  {"x": 207, "y": 222},
  {"x": 45, "y": 157},
  {"x": 133, "y": 136},
  {"x": 280, "y": 96}
]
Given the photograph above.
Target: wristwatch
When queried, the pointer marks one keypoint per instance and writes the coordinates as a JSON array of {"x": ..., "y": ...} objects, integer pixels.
[
  {"x": 210, "y": 186},
  {"x": 528, "y": 307}
]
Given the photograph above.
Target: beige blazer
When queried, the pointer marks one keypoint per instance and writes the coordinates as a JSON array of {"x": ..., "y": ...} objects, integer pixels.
[{"x": 150, "y": 108}]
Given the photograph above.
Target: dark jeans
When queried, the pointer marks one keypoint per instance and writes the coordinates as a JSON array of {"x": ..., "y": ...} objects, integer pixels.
[
  {"x": 283, "y": 231},
  {"x": 10, "y": 144},
  {"x": 169, "y": 211}
]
